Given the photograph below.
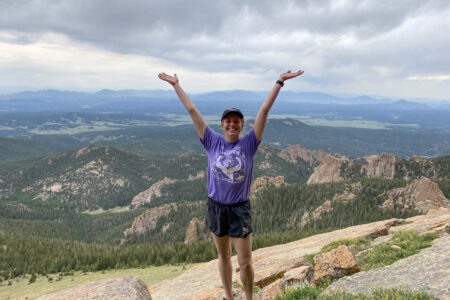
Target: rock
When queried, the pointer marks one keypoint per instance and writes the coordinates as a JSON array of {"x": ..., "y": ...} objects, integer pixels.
[
  {"x": 295, "y": 277},
  {"x": 379, "y": 231},
  {"x": 329, "y": 169},
  {"x": 153, "y": 191},
  {"x": 272, "y": 291},
  {"x": 124, "y": 288},
  {"x": 217, "y": 294},
  {"x": 147, "y": 221},
  {"x": 334, "y": 264},
  {"x": 428, "y": 271},
  {"x": 421, "y": 194},
  {"x": 293, "y": 152},
  {"x": 383, "y": 229},
  {"x": 381, "y": 239},
  {"x": 447, "y": 228},
  {"x": 396, "y": 247},
  {"x": 325, "y": 207},
  {"x": 205, "y": 276},
  {"x": 380, "y": 165},
  {"x": 263, "y": 182},
  {"x": 300, "y": 276},
  {"x": 195, "y": 231},
  {"x": 268, "y": 270}
]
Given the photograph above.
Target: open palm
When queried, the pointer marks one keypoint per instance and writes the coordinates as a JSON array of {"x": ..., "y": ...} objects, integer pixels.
[
  {"x": 170, "y": 79},
  {"x": 289, "y": 75}
]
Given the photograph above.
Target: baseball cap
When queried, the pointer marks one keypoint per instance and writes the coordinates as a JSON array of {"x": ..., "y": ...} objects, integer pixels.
[{"x": 232, "y": 110}]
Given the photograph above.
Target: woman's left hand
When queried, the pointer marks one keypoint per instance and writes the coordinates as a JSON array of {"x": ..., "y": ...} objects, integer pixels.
[{"x": 289, "y": 75}]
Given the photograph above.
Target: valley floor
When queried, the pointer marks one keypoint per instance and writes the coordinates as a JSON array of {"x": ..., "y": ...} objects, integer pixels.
[{"x": 22, "y": 289}]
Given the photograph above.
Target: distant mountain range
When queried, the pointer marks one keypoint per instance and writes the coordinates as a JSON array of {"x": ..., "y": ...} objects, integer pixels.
[{"x": 313, "y": 106}]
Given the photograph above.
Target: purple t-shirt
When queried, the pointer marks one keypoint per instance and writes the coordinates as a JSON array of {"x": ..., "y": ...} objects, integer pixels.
[{"x": 230, "y": 166}]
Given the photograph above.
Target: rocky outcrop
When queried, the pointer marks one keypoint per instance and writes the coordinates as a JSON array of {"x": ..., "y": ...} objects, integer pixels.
[
  {"x": 380, "y": 165},
  {"x": 195, "y": 231},
  {"x": 421, "y": 194},
  {"x": 336, "y": 263},
  {"x": 263, "y": 182},
  {"x": 427, "y": 271},
  {"x": 349, "y": 193},
  {"x": 205, "y": 278},
  {"x": 292, "y": 153},
  {"x": 268, "y": 270},
  {"x": 325, "y": 207},
  {"x": 152, "y": 192},
  {"x": 147, "y": 221},
  {"x": 126, "y": 288},
  {"x": 329, "y": 169},
  {"x": 83, "y": 151}
]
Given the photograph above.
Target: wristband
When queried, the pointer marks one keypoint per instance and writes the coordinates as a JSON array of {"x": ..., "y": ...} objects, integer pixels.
[{"x": 280, "y": 82}]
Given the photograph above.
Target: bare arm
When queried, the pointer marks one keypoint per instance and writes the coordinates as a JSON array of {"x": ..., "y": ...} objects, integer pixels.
[
  {"x": 196, "y": 116},
  {"x": 261, "y": 117}
]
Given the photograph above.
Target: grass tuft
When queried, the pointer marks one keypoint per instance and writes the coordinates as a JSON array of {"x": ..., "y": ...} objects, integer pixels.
[
  {"x": 410, "y": 243},
  {"x": 311, "y": 293}
]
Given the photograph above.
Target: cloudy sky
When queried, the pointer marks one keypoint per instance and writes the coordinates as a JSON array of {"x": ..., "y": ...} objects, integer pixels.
[{"x": 389, "y": 48}]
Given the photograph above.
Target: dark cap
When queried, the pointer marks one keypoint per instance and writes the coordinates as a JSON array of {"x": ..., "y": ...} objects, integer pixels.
[{"x": 232, "y": 110}]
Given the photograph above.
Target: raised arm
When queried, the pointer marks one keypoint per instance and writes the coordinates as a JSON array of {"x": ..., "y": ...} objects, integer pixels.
[
  {"x": 196, "y": 116},
  {"x": 261, "y": 117}
]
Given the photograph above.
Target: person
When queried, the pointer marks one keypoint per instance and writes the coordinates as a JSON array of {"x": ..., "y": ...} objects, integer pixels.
[{"x": 230, "y": 167}]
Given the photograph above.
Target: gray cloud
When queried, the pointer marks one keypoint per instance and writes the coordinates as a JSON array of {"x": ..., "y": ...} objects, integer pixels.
[{"x": 341, "y": 41}]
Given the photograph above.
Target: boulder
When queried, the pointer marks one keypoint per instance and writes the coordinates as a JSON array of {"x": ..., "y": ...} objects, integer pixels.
[
  {"x": 124, "y": 288},
  {"x": 268, "y": 270},
  {"x": 300, "y": 276},
  {"x": 272, "y": 291},
  {"x": 336, "y": 263}
]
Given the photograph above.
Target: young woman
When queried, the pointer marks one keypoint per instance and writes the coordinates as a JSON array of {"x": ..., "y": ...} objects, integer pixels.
[{"x": 230, "y": 167}]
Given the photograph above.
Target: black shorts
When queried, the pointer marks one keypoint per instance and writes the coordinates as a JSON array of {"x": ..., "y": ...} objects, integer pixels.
[{"x": 234, "y": 220}]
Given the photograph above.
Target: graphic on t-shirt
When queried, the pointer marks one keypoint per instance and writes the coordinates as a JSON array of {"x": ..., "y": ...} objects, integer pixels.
[{"x": 230, "y": 166}]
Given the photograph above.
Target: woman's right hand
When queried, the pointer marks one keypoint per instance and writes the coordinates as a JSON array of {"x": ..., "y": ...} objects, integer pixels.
[{"x": 173, "y": 80}]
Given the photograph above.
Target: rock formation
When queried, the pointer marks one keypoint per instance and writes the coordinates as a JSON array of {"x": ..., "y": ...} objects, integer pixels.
[
  {"x": 421, "y": 194},
  {"x": 203, "y": 280},
  {"x": 195, "y": 231},
  {"x": 147, "y": 221},
  {"x": 336, "y": 263},
  {"x": 125, "y": 288},
  {"x": 380, "y": 165},
  {"x": 293, "y": 152},
  {"x": 427, "y": 271},
  {"x": 263, "y": 182},
  {"x": 329, "y": 169},
  {"x": 152, "y": 192},
  {"x": 325, "y": 207}
]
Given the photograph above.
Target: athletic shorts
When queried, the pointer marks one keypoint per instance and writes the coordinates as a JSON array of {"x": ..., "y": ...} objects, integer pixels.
[{"x": 234, "y": 220}]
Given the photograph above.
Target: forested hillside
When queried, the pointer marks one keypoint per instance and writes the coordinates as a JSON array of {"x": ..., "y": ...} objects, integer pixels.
[{"x": 100, "y": 207}]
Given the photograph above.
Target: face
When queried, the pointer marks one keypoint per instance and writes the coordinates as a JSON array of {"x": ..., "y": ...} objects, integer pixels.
[{"x": 232, "y": 126}]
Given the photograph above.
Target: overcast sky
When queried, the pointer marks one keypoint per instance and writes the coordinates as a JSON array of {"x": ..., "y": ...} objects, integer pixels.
[{"x": 390, "y": 48}]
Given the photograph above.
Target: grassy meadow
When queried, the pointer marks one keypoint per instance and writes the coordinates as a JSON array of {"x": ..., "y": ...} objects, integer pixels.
[{"x": 20, "y": 287}]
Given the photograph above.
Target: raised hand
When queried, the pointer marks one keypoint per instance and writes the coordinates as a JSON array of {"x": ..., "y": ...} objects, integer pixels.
[
  {"x": 289, "y": 75},
  {"x": 173, "y": 80}
]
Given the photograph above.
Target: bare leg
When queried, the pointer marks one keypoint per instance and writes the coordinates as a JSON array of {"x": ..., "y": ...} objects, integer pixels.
[
  {"x": 223, "y": 246},
  {"x": 243, "y": 248}
]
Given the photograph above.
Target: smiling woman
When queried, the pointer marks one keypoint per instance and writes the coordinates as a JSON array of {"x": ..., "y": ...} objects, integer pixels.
[{"x": 230, "y": 168}]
